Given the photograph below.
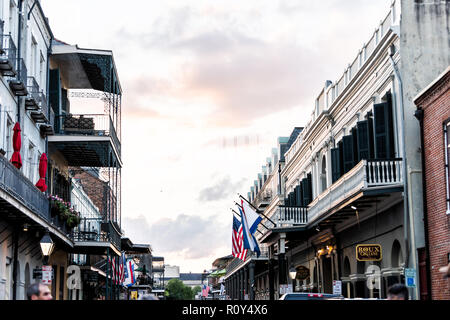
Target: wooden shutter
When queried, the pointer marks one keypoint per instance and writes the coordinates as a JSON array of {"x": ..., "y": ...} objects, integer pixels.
[
  {"x": 383, "y": 124},
  {"x": 297, "y": 196},
  {"x": 54, "y": 90},
  {"x": 305, "y": 192},
  {"x": 335, "y": 171},
  {"x": 347, "y": 145},
  {"x": 341, "y": 158},
  {"x": 355, "y": 146},
  {"x": 309, "y": 181},
  {"x": 300, "y": 189}
]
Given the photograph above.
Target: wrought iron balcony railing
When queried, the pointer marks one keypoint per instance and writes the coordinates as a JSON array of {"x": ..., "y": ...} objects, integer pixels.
[
  {"x": 15, "y": 184},
  {"x": 8, "y": 54},
  {"x": 89, "y": 125},
  {"x": 19, "y": 84},
  {"x": 98, "y": 232},
  {"x": 35, "y": 99}
]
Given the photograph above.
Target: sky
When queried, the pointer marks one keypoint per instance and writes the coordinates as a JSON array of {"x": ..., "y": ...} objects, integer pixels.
[{"x": 208, "y": 87}]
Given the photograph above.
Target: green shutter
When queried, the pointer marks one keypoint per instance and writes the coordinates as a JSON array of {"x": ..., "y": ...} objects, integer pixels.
[
  {"x": 309, "y": 181},
  {"x": 341, "y": 158},
  {"x": 302, "y": 201},
  {"x": 356, "y": 158},
  {"x": 297, "y": 196},
  {"x": 347, "y": 145},
  {"x": 305, "y": 192},
  {"x": 335, "y": 171},
  {"x": 55, "y": 90},
  {"x": 384, "y": 137}
]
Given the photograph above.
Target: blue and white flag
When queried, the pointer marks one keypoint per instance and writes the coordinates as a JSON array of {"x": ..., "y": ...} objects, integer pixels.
[
  {"x": 129, "y": 273},
  {"x": 250, "y": 220}
]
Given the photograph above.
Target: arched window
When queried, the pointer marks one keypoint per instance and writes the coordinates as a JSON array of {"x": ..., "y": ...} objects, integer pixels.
[
  {"x": 346, "y": 271},
  {"x": 396, "y": 255}
]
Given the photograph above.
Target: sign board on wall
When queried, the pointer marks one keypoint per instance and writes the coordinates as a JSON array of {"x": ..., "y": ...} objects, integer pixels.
[
  {"x": 337, "y": 287},
  {"x": 47, "y": 275},
  {"x": 369, "y": 252},
  {"x": 410, "y": 278}
]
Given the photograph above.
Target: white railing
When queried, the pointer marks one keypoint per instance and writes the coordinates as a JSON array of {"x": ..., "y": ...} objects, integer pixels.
[
  {"x": 384, "y": 172},
  {"x": 291, "y": 216},
  {"x": 366, "y": 174}
]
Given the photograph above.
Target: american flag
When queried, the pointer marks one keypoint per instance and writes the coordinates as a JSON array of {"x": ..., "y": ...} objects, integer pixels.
[
  {"x": 121, "y": 266},
  {"x": 238, "y": 240},
  {"x": 115, "y": 275}
]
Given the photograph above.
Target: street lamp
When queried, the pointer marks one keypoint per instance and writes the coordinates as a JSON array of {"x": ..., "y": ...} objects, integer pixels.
[
  {"x": 47, "y": 246},
  {"x": 292, "y": 272}
]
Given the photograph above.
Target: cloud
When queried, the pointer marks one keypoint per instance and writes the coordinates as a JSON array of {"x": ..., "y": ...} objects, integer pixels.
[
  {"x": 188, "y": 236},
  {"x": 220, "y": 190}
]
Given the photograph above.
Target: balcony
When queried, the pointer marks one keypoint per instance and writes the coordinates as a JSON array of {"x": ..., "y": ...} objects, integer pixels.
[
  {"x": 289, "y": 216},
  {"x": 368, "y": 178},
  {"x": 93, "y": 236},
  {"x": 8, "y": 54},
  {"x": 18, "y": 85},
  {"x": 35, "y": 100},
  {"x": 360, "y": 188},
  {"x": 20, "y": 199},
  {"x": 263, "y": 199},
  {"x": 93, "y": 136},
  {"x": 48, "y": 128}
]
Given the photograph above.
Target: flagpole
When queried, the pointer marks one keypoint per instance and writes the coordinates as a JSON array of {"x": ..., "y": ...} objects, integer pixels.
[
  {"x": 256, "y": 229},
  {"x": 257, "y": 211}
]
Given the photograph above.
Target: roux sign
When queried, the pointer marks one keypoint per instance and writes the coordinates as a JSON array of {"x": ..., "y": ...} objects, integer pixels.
[
  {"x": 368, "y": 252},
  {"x": 302, "y": 273}
]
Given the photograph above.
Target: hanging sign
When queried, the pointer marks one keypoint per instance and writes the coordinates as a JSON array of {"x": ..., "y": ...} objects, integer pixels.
[
  {"x": 302, "y": 273},
  {"x": 368, "y": 252}
]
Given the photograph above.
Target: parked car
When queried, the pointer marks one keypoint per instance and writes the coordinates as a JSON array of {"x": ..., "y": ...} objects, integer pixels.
[{"x": 310, "y": 296}]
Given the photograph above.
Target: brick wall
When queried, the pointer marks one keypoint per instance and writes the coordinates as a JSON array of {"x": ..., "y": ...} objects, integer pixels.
[
  {"x": 94, "y": 188},
  {"x": 435, "y": 102}
]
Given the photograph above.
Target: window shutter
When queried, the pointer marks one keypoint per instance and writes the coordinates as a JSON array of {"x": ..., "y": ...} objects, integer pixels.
[
  {"x": 54, "y": 90},
  {"x": 305, "y": 192},
  {"x": 309, "y": 182},
  {"x": 335, "y": 164},
  {"x": 297, "y": 196},
  {"x": 384, "y": 138},
  {"x": 356, "y": 158},
  {"x": 341, "y": 158},
  {"x": 300, "y": 187},
  {"x": 347, "y": 145}
]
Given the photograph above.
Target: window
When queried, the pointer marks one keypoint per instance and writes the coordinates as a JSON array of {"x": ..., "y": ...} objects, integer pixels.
[
  {"x": 34, "y": 57},
  {"x": 447, "y": 160},
  {"x": 30, "y": 160}
]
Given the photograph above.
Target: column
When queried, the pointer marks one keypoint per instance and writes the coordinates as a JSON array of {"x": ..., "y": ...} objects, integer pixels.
[
  {"x": 241, "y": 284},
  {"x": 245, "y": 287},
  {"x": 282, "y": 260},
  {"x": 251, "y": 269}
]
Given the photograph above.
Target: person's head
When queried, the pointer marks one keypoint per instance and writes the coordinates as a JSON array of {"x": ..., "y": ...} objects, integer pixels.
[
  {"x": 39, "y": 291},
  {"x": 398, "y": 291}
]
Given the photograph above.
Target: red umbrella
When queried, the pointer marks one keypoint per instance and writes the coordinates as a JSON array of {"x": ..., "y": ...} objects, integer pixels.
[
  {"x": 42, "y": 173},
  {"x": 16, "y": 158}
]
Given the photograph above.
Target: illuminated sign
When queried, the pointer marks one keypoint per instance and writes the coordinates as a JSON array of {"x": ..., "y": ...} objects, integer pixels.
[{"x": 368, "y": 252}]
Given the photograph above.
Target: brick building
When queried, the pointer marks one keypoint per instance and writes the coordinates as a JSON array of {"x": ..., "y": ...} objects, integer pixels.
[{"x": 433, "y": 112}]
